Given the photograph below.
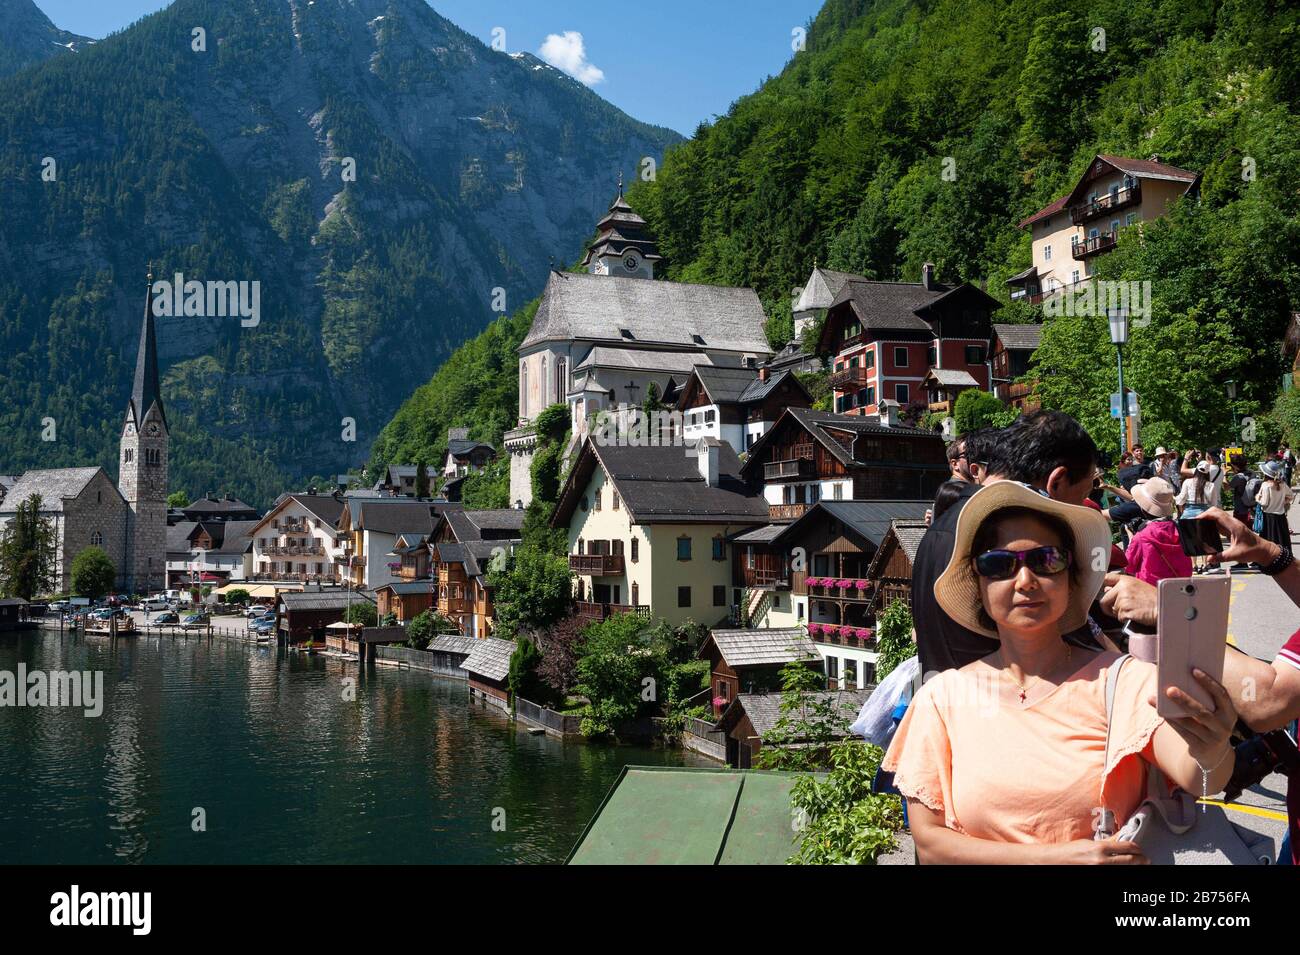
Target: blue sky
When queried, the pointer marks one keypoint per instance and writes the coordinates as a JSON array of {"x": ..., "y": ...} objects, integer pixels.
[{"x": 670, "y": 62}]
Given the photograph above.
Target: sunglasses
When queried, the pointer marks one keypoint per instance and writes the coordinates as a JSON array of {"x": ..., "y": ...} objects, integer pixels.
[{"x": 1005, "y": 564}]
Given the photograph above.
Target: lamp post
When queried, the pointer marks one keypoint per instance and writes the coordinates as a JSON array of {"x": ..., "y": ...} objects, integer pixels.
[{"x": 1119, "y": 338}]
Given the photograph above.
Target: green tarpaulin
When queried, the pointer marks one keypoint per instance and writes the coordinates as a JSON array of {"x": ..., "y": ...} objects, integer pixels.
[{"x": 681, "y": 816}]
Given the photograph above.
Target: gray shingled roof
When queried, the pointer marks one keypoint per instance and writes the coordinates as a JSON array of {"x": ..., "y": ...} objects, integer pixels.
[
  {"x": 52, "y": 484},
  {"x": 323, "y": 600},
  {"x": 890, "y": 305},
  {"x": 490, "y": 657},
  {"x": 822, "y": 287},
  {"x": 816, "y": 423},
  {"x": 726, "y": 385},
  {"x": 601, "y": 307},
  {"x": 397, "y": 515},
  {"x": 870, "y": 519},
  {"x": 909, "y": 534},
  {"x": 504, "y": 523},
  {"x": 664, "y": 485},
  {"x": 1025, "y": 337},
  {"x": 952, "y": 377},
  {"x": 745, "y": 648},
  {"x": 405, "y": 587},
  {"x": 764, "y": 709},
  {"x": 758, "y": 390},
  {"x": 760, "y": 535},
  {"x": 643, "y": 359},
  {"x": 460, "y": 447},
  {"x": 452, "y": 643}
]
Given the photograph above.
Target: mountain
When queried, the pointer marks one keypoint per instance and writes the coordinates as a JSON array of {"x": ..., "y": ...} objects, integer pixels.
[
  {"x": 912, "y": 131},
  {"x": 27, "y": 36},
  {"x": 389, "y": 182}
]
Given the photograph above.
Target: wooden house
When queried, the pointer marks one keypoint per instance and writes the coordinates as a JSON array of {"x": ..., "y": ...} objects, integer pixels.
[
  {"x": 304, "y": 616},
  {"x": 890, "y": 571},
  {"x": 752, "y": 716},
  {"x": 1013, "y": 347},
  {"x": 488, "y": 666},
  {"x": 744, "y": 661}
]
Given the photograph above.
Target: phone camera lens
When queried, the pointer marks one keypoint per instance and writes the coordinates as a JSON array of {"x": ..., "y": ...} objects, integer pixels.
[{"x": 1189, "y": 589}]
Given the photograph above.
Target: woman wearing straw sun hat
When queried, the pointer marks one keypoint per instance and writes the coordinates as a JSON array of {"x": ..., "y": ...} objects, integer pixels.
[
  {"x": 1002, "y": 759},
  {"x": 1155, "y": 552}
]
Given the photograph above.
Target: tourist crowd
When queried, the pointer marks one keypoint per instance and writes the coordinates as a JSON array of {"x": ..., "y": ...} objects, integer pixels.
[{"x": 1035, "y": 735}]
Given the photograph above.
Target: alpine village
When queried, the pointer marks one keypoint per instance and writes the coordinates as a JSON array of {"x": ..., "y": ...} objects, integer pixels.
[{"x": 695, "y": 530}]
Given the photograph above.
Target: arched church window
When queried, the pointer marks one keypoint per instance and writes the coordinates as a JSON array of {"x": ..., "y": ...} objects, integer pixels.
[{"x": 97, "y": 539}]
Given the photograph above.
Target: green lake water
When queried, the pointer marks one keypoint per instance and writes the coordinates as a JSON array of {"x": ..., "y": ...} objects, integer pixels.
[{"x": 284, "y": 767}]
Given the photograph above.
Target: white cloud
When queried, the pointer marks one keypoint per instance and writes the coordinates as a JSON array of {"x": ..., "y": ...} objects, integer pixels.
[{"x": 565, "y": 51}]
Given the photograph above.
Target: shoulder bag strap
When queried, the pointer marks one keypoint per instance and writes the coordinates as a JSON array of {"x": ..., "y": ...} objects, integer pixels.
[{"x": 1106, "y": 826}]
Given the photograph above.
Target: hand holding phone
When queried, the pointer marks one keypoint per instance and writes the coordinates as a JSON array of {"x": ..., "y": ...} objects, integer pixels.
[
  {"x": 1199, "y": 538},
  {"x": 1192, "y": 620}
]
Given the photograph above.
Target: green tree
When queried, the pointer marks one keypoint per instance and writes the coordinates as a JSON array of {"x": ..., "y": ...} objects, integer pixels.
[
  {"x": 362, "y": 612},
  {"x": 894, "y": 642},
  {"x": 524, "y": 680},
  {"x": 811, "y": 720},
  {"x": 93, "y": 573},
  {"x": 426, "y": 625},
  {"x": 237, "y": 596},
  {"x": 421, "y": 477},
  {"x": 178, "y": 499},
  {"x": 975, "y": 409},
  {"x": 838, "y": 820},
  {"x": 27, "y": 552},
  {"x": 533, "y": 590},
  {"x": 488, "y": 487}
]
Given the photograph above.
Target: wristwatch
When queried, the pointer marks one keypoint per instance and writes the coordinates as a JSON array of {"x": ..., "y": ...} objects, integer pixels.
[{"x": 1281, "y": 562}]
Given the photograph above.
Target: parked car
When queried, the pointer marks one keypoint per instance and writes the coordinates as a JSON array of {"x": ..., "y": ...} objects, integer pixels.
[
  {"x": 166, "y": 617},
  {"x": 194, "y": 621},
  {"x": 262, "y": 625},
  {"x": 156, "y": 602},
  {"x": 257, "y": 610},
  {"x": 61, "y": 606}
]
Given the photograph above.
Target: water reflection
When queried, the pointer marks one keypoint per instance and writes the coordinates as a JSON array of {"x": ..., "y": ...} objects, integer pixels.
[{"x": 286, "y": 769}]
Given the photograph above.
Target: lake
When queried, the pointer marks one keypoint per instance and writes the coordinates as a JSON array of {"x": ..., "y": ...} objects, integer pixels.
[{"x": 287, "y": 760}]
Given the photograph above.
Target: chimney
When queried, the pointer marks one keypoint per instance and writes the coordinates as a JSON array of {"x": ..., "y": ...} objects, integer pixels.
[
  {"x": 927, "y": 276},
  {"x": 706, "y": 456},
  {"x": 888, "y": 413},
  {"x": 457, "y": 434},
  {"x": 762, "y": 373}
]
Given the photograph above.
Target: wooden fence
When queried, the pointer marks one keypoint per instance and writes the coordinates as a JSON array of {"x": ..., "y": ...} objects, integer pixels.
[{"x": 557, "y": 724}]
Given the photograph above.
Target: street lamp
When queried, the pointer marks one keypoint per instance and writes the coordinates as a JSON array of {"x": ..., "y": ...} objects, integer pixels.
[{"x": 1119, "y": 338}]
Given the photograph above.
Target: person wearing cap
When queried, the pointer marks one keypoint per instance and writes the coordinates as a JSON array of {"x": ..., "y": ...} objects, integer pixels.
[
  {"x": 1001, "y": 760},
  {"x": 1167, "y": 467},
  {"x": 1155, "y": 552},
  {"x": 1274, "y": 498},
  {"x": 1195, "y": 496}
]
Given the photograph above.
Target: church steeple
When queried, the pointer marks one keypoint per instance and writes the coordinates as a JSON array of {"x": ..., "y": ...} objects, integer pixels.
[
  {"x": 624, "y": 245},
  {"x": 145, "y": 391}
]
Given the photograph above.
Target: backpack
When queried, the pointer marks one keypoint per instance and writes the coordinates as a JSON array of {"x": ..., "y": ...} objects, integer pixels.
[{"x": 1252, "y": 488}]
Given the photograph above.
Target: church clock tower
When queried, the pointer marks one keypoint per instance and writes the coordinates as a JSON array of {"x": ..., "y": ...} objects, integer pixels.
[{"x": 142, "y": 468}]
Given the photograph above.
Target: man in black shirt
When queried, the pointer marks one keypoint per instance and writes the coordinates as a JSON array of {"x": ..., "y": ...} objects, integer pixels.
[
  {"x": 1139, "y": 469},
  {"x": 1046, "y": 449}
]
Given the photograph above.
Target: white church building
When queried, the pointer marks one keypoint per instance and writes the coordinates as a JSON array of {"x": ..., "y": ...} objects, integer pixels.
[{"x": 600, "y": 339}]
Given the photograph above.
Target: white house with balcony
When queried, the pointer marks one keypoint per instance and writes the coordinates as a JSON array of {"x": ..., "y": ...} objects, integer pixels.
[{"x": 298, "y": 540}]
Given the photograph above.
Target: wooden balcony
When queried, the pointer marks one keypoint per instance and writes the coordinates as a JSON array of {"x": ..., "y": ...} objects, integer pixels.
[
  {"x": 596, "y": 565},
  {"x": 786, "y": 512},
  {"x": 1111, "y": 202},
  {"x": 847, "y": 379},
  {"x": 596, "y": 611},
  {"x": 945, "y": 406},
  {"x": 1093, "y": 245}
]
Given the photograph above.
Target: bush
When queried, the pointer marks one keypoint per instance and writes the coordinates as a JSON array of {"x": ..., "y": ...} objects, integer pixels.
[
  {"x": 975, "y": 409},
  {"x": 362, "y": 612},
  {"x": 843, "y": 823},
  {"x": 237, "y": 596},
  {"x": 93, "y": 573},
  {"x": 894, "y": 642}
]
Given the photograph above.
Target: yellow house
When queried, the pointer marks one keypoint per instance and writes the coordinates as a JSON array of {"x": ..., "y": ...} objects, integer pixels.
[
  {"x": 648, "y": 528},
  {"x": 1069, "y": 233}
]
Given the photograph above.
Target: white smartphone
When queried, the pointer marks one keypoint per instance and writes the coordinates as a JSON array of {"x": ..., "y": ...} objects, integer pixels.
[{"x": 1192, "y": 621}]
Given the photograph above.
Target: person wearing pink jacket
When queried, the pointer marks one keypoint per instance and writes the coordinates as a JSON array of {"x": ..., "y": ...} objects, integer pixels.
[{"x": 1155, "y": 552}]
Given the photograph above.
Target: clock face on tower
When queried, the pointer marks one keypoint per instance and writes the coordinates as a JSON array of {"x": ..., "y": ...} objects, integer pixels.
[
  {"x": 629, "y": 263},
  {"x": 153, "y": 427}
]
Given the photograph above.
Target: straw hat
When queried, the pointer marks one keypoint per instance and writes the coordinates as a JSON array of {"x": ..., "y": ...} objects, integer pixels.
[
  {"x": 1273, "y": 469},
  {"x": 957, "y": 588},
  {"x": 1155, "y": 496}
]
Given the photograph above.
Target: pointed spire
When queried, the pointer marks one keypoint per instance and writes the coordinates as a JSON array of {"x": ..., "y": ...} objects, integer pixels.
[
  {"x": 145, "y": 390},
  {"x": 620, "y": 183}
]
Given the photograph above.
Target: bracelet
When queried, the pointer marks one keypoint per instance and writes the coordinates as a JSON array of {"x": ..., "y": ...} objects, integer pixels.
[
  {"x": 1281, "y": 562},
  {"x": 1205, "y": 772}
]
